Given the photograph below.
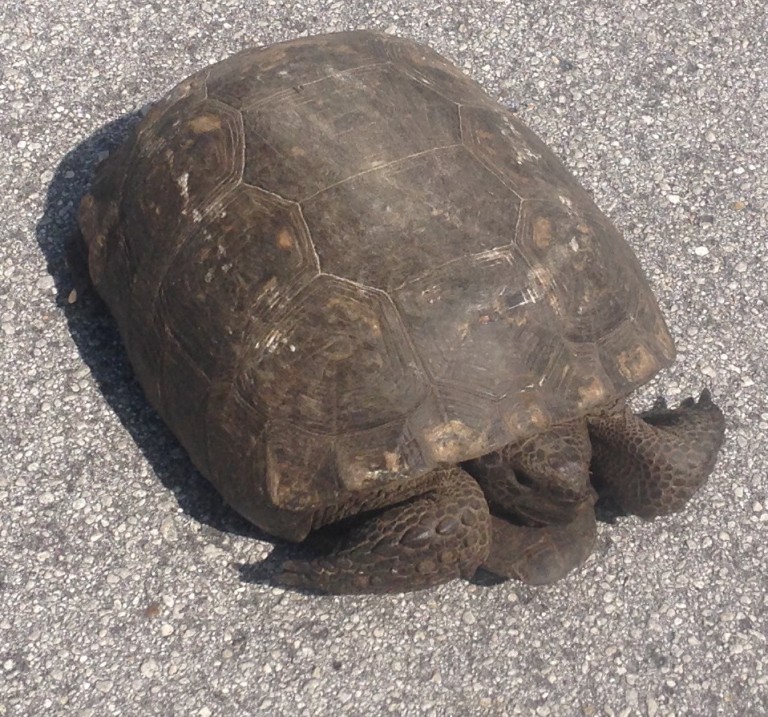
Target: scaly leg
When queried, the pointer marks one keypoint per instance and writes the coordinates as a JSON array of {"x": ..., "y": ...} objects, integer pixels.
[
  {"x": 653, "y": 463},
  {"x": 428, "y": 539},
  {"x": 541, "y": 501}
]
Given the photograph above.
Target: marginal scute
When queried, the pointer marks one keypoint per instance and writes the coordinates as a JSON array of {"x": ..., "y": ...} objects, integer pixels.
[
  {"x": 453, "y": 441},
  {"x": 573, "y": 380},
  {"x": 528, "y": 412},
  {"x": 185, "y": 392},
  {"x": 300, "y": 467}
]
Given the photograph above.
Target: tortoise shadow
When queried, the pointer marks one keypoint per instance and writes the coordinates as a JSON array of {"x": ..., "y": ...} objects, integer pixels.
[{"x": 98, "y": 342}]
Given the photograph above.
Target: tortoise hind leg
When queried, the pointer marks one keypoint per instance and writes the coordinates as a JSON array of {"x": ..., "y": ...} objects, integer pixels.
[
  {"x": 428, "y": 539},
  {"x": 653, "y": 463}
]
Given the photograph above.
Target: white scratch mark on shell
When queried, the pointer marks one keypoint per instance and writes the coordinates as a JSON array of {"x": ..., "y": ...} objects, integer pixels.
[{"x": 183, "y": 182}]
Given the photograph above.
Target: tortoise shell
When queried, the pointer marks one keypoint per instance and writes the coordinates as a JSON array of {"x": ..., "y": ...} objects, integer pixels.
[{"x": 336, "y": 262}]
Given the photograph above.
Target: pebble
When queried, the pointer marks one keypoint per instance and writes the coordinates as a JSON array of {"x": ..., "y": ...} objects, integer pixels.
[
  {"x": 46, "y": 282},
  {"x": 149, "y": 668},
  {"x": 653, "y": 707}
]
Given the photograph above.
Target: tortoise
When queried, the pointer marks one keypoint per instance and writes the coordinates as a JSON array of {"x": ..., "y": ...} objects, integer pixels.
[{"x": 363, "y": 294}]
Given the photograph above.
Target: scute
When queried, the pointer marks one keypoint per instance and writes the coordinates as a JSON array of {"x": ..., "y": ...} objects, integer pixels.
[
  {"x": 571, "y": 255},
  {"x": 397, "y": 211},
  {"x": 517, "y": 156},
  {"x": 250, "y": 253},
  {"x": 319, "y": 135},
  {"x": 259, "y": 74},
  {"x": 480, "y": 322},
  {"x": 187, "y": 160},
  {"x": 337, "y": 360}
]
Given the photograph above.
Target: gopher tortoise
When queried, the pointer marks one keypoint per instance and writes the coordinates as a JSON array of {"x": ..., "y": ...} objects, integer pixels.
[{"x": 364, "y": 295}]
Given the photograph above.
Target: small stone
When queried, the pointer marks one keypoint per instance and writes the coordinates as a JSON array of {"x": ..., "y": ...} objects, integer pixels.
[
  {"x": 653, "y": 707},
  {"x": 46, "y": 282},
  {"x": 738, "y": 205},
  {"x": 701, "y": 251},
  {"x": 468, "y": 618},
  {"x": 168, "y": 530},
  {"x": 149, "y": 668},
  {"x": 153, "y": 609},
  {"x": 673, "y": 198}
]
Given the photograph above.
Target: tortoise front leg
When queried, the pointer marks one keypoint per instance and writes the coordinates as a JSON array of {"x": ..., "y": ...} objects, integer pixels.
[
  {"x": 428, "y": 539},
  {"x": 653, "y": 463},
  {"x": 541, "y": 555},
  {"x": 542, "y": 504}
]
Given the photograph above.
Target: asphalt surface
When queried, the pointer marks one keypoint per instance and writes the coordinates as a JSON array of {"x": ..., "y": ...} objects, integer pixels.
[{"x": 127, "y": 588}]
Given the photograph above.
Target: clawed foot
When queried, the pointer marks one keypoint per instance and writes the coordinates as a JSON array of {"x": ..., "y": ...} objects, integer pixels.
[
  {"x": 542, "y": 555},
  {"x": 653, "y": 463}
]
